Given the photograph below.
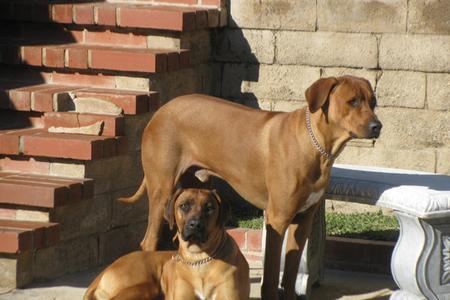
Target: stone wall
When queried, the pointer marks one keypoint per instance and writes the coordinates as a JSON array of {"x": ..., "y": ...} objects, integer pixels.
[{"x": 273, "y": 50}]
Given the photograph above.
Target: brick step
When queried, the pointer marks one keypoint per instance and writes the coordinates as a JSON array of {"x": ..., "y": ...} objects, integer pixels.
[
  {"x": 54, "y": 97},
  {"x": 112, "y": 125},
  {"x": 42, "y": 191},
  {"x": 19, "y": 236},
  {"x": 85, "y": 57},
  {"x": 123, "y": 15},
  {"x": 41, "y": 143}
]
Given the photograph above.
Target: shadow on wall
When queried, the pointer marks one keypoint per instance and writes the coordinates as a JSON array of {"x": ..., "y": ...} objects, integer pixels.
[
  {"x": 238, "y": 64},
  {"x": 238, "y": 67},
  {"x": 16, "y": 32}
]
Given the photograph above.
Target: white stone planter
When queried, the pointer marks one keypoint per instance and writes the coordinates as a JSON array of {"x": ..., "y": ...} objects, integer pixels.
[{"x": 421, "y": 259}]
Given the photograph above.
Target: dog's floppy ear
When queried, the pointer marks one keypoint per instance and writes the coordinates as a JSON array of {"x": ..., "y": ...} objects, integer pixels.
[
  {"x": 318, "y": 93},
  {"x": 169, "y": 213},
  {"x": 224, "y": 210}
]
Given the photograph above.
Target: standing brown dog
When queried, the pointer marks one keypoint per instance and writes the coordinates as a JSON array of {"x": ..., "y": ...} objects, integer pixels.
[{"x": 279, "y": 162}]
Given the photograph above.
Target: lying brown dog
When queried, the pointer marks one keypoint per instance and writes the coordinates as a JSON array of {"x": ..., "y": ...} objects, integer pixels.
[
  {"x": 280, "y": 162},
  {"x": 208, "y": 265},
  {"x": 135, "y": 276}
]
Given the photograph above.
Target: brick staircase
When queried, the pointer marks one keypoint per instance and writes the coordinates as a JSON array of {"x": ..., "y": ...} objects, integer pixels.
[{"x": 78, "y": 82}]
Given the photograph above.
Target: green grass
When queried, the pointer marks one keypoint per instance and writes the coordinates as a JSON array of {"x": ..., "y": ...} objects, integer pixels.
[{"x": 370, "y": 226}]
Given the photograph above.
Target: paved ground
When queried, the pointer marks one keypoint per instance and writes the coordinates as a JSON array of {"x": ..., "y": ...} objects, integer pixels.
[{"x": 337, "y": 285}]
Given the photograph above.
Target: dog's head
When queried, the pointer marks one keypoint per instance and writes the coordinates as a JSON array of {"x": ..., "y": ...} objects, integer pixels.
[
  {"x": 197, "y": 213},
  {"x": 348, "y": 103}
]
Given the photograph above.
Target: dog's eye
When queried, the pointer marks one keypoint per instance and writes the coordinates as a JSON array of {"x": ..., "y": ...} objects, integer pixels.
[
  {"x": 355, "y": 102},
  {"x": 185, "y": 206},
  {"x": 209, "y": 209}
]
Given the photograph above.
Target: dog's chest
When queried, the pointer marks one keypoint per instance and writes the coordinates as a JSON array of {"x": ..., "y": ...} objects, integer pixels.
[{"x": 313, "y": 198}]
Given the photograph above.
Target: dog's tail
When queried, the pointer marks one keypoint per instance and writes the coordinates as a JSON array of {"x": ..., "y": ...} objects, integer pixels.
[{"x": 137, "y": 195}]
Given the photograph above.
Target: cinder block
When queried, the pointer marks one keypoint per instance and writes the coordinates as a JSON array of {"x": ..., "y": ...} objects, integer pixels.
[
  {"x": 124, "y": 214},
  {"x": 134, "y": 127},
  {"x": 443, "y": 161},
  {"x": 411, "y": 159},
  {"x": 66, "y": 257},
  {"x": 414, "y": 129},
  {"x": 254, "y": 46},
  {"x": 281, "y": 82},
  {"x": 428, "y": 53},
  {"x": 327, "y": 49},
  {"x": 16, "y": 271},
  {"x": 273, "y": 14},
  {"x": 362, "y": 16},
  {"x": 429, "y": 16},
  {"x": 364, "y": 73},
  {"x": 402, "y": 89},
  {"x": 288, "y": 106},
  {"x": 120, "y": 241},
  {"x": 83, "y": 218},
  {"x": 438, "y": 91}
]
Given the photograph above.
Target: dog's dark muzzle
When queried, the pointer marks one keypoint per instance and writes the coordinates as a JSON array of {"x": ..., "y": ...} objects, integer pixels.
[
  {"x": 374, "y": 129},
  {"x": 195, "y": 230}
]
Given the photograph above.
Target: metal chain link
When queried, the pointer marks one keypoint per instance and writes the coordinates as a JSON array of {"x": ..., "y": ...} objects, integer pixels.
[{"x": 314, "y": 141}]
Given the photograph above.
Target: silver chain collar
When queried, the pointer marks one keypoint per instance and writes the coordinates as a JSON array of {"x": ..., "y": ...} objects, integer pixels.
[
  {"x": 200, "y": 262},
  {"x": 314, "y": 141}
]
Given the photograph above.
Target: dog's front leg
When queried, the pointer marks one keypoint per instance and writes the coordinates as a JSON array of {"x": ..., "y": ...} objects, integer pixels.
[
  {"x": 299, "y": 231},
  {"x": 276, "y": 225}
]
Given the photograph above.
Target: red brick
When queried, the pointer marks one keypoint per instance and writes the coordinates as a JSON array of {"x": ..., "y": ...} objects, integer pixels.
[
  {"x": 105, "y": 15},
  {"x": 20, "y": 99},
  {"x": 54, "y": 57},
  {"x": 239, "y": 236},
  {"x": 7, "y": 213},
  {"x": 62, "y": 13},
  {"x": 223, "y": 18},
  {"x": 77, "y": 58},
  {"x": 83, "y": 14},
  {"x": 131, "y": 102},
  {"x": 25, "y": 165},
  {"x": 84, "y": 79},
  {"x": 111, "y": 38},
  {"x": 32, "y": 55},
  {"x": 254, "y": 240},
  {"x": 201, "y": 19},
  {"x": 217, "y": 3},
  {"x": 72, "y": 146},
  {"x": 213, "y": 18},
  {"x": 168, "y": 19},
  {"x": 43, "y": 234},
  {"x": 14, "y": 241},
  {"x": 113, "y": 125},
  {"x": 125, "y": 60},
  {"x": 9, "y": 144},
  {"x": 43, "y": 100},
  {"x": 179, "y": 1}
]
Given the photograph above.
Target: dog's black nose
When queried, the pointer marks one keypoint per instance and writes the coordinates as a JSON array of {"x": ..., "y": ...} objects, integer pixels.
[
  {"x": 195, "y": 224},
  {"x": 375, "y": 127}
]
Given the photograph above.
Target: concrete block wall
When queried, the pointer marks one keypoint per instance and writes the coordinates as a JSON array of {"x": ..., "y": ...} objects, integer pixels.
[{"x": 273, "y": 50}]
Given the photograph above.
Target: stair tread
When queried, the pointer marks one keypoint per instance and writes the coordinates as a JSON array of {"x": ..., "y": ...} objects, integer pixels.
[
  {"x": 136, "y": 15},
  {"x": 92, "y": 57},
  {"x": 40, "y": 142},
  {"x": 20, "y": 236},
  {"x": 40, "y": 97},
  {"x": 41, "y": 190}
]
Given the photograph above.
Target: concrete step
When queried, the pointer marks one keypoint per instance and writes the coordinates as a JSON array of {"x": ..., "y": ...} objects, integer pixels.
[
  {"x": 55, "y": 97},
  {"x": 42, "y": 191},
  {"x": 55, "y": 55},
  {"x": 19, "y": 236},
  {"x": 123, "y": 15},
  {"x": 40, "y": 142}
]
